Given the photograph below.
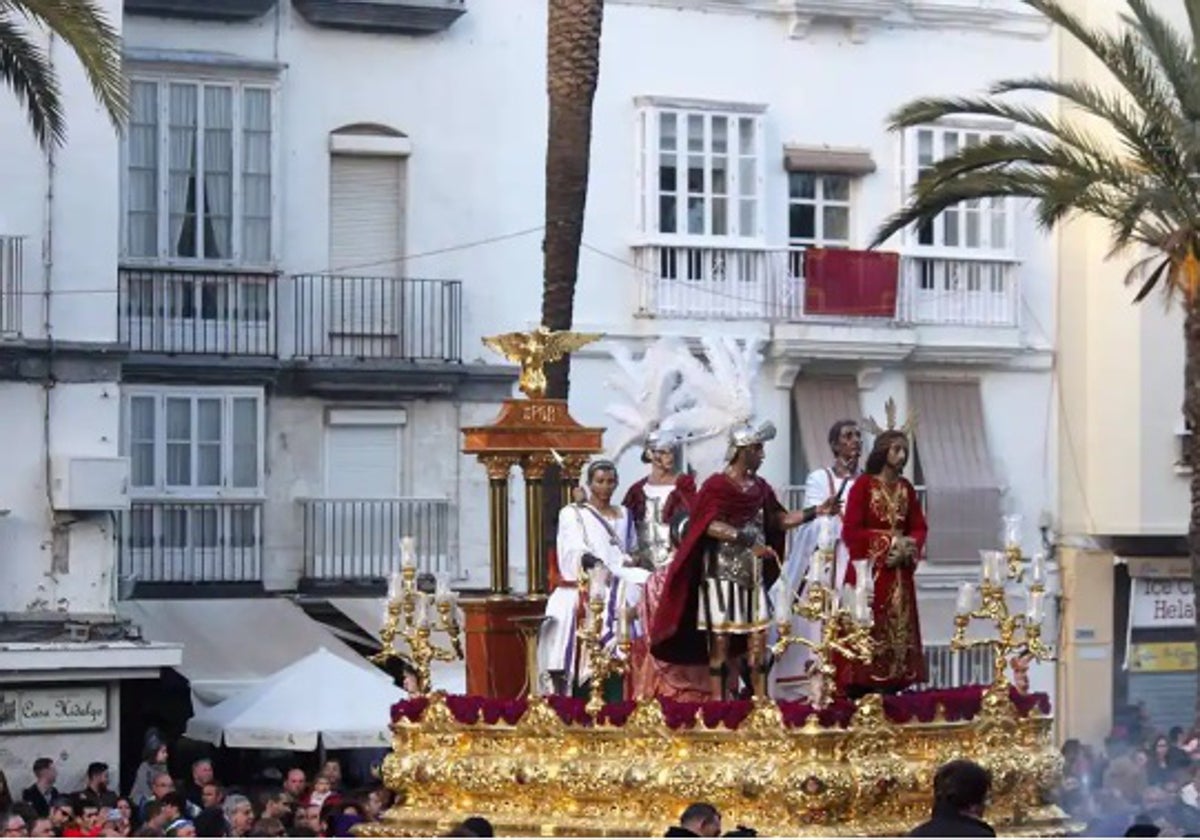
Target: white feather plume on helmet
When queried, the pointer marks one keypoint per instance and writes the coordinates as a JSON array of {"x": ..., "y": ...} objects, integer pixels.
[
  {"x": 647, "y": 391},
  {"x": 718, "y": 416}
]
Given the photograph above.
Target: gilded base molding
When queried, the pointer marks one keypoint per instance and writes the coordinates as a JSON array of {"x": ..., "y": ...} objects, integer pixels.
[{"x": 874, "y": 778}]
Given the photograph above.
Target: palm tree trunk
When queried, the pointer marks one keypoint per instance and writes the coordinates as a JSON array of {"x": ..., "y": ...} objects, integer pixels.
[
  {"x": 1191, "y": 412},
  {"x": 572, "y": 71}
]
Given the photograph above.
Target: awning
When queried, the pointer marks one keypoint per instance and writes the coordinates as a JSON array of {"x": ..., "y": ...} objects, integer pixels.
[
  {"x": 231, "y": 644},
  {"x": 828, "y": 160},
  {"x": 820, "y": 402},
  {"x": 1157, "y": 567},
  {"x": 962, "y": 493}
]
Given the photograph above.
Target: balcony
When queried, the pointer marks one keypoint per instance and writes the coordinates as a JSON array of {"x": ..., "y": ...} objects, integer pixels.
[
  {"x": 764, "y": 284},
  {"x": 11, "y": 263},
  {"x": 184, "y": 312},
  {"x": 402, "y": 17},
  {"x": 359, "y": 539},
  {"x": 337, "y": 317},
  {"x": 191, "y": 542},
  {"x": 220, "y": 10}
]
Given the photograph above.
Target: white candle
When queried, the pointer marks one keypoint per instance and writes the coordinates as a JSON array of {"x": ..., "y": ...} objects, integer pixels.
[
  {"x": 816, "y": 568},
  {"x": 966, "y": 598},
  {"x": 441, "y": 591},
  {"x": 862, "y": 575},
  {"x": 421, "y": 610},
  {"x": 1037, "y": 569},
  {"x": 395, "y": 586},
  {"x": 1012, "y": 532},
  {"x": 408, "y": 553},
  {"x": 596, "y": 585},
  {"x": 622, "y": 616},
  {"x": 1037, "y": 606},
  {"x": 825, "y": 538},
  {"x": 863, "y": 613},
  {"x": 993, "y": 567}
]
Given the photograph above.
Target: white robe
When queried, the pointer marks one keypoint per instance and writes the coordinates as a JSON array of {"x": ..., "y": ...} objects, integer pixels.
[
  {"x": 787, "y": 680},
  {"x": 581, "y": 531}
]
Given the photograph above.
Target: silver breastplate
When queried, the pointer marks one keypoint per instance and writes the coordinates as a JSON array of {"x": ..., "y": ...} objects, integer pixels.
[
  {"x": 737, "y": 563},
  {"x": 654, "y": 535}
]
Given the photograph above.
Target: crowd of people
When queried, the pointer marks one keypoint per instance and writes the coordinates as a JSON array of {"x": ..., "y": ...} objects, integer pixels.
[
  {"x": 1141, "y": 783},
  {"x": 285, "y": 802}
]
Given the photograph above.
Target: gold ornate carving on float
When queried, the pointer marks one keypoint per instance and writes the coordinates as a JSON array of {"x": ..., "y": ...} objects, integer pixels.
[{"x": 541, "y": 776}]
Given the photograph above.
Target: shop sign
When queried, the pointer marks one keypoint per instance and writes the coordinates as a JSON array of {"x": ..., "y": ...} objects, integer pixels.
[
  {"x": 1160, "y": 657},
  {"x": 53, "y": 709},
  {"x": 1161, "y": 602}
]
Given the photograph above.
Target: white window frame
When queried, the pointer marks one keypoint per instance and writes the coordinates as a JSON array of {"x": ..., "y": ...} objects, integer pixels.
[
  {"x": 650, "y": 113},
  {"x": 239, "y": 81},
  {"x": 819, "y": 202},
  {"x": 911, "y": 168},
  {"x": 161, "y": 491}
]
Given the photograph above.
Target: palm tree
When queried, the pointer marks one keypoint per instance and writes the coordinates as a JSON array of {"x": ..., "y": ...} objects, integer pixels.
[
  {"x": 572, "y": 71},
  {"x": 28, "y": 68},
  {"x": 1144, "y": 186}
]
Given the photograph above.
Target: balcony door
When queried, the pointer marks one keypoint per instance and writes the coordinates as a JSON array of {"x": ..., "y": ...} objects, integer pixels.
[
  {"x": 359, "y": 531},
  {"x": 365, "y": 301}
]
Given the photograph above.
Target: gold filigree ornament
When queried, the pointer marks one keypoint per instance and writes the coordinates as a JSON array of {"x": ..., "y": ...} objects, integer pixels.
[
  {"x": 908, "y": 428},
  {"x": 534, "y": 350}
]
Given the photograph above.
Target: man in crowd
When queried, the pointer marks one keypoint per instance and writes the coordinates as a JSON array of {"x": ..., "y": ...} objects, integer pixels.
[
  {"x": 42, "y": 792},
  {"x": 960, "y": 792},
  {"x": 697, "y": 820},
  {"x": 96, "y": 789}
]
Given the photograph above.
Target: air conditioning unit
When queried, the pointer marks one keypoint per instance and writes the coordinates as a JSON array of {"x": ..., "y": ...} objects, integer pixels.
[{"x": 88, "y": 483}]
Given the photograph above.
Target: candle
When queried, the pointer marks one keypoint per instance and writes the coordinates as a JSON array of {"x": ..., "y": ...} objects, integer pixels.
[
  {"x": 622, "y": 616},
  {"x": 993, "y": 567},
  {"x": 1012, "y": 532},
  {"x": 825, "y": 539},
  {"x": 408, "y": 553},
  {"x": 862, "y": 575},
  {"x": 1037, "y": 606},
  {"x": 395, "y": 586},
  {"x": 596, "y": 585},
  {"x": 1037, "y": 569},
  {"x": 863, "y": 613},
  {"x": 441, "y": 591},
  {"x": 816, "y": 568},
  {"x": 966, "y": 599},
  {"x": 421, "y": 610}
]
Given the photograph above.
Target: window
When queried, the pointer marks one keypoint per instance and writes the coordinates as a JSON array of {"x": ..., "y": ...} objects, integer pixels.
[
  {"x": 818, "y": 210},
  {"x": 200, "y": 442},
  {"x": 978, "y": 225},
  {"x": 701, "y": 173},
  {"x": 198, "y": 167}
]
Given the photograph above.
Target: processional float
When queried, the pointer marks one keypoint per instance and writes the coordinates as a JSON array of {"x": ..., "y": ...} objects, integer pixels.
[{"x": 560, "y": 766}]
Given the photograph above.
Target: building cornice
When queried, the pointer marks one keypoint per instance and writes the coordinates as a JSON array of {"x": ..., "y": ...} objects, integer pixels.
[{"x": 859, "y": 17}]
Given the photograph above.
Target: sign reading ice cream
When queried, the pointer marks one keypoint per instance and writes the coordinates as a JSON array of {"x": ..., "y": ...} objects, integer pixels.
[
  {"x": 51, "y": 709},
  {"x": 1162, "y": 602}
]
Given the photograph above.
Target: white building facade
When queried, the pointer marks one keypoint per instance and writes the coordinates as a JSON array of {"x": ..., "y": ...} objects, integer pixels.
[
  {"x": 319, "y": 208},
  {"x": 65, "y": 656}
]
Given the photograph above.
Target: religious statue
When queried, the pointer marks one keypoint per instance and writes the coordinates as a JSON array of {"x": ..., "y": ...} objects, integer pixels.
[
  {"x": 534, "y": 350},
  {"x": 825, "y": 494},
  {"x": 594, "y": 536},
  {"x": 884, "y": 524},
  {"x": 714, "y": 605}
]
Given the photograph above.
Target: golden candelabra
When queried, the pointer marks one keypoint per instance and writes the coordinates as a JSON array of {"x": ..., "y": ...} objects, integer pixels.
[
  {"x": 603, "y": 660},
  {"x": 845, "y": 630},
  {"x": 413, "y": 616},
  {"x": 1021, "y": 632}
]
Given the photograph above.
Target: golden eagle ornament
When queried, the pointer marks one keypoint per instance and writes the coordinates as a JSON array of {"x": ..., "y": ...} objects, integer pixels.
[{"x": 534, "y": 350}]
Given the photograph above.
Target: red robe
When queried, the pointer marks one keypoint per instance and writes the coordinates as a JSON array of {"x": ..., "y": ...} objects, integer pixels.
[
  {"x": 874, "y": 512},
  {"x": 675, "y": 634},
  {"x": 678, "y": 499}
]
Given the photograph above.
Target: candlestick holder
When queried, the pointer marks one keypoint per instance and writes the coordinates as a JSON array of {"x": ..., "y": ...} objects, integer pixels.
[
  {"x": 1015, "y": 633},
  {"x": 845, "y": 631},
  {"x": 603, "y": 660},
  {"x": 412, "y": 617}
]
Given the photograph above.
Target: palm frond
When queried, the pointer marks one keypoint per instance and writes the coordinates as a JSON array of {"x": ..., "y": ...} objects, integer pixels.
[
  {"x": 25, "y": 68},
  {"x": 1171, "y": 52},
  {"x": 94, "y": 40}
]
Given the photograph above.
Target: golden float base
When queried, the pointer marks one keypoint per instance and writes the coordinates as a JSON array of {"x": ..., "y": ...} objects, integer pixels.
[{"x": 874, "y": 778}]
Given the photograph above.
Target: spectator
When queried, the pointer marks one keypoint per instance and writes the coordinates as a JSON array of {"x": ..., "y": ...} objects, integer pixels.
[
  {"x": 295, "y": 783},
  {"x": 154, "y": 763},
  {"x": 116, "y": 824},
  {"x": 213, "y": 796},
  {"x": 211, "y": 823},
  {"x": 1159, "y": 771},
  {"x": 479, "y": 826},
  {"x": 268, "y": 827},
  {"x": 202, "y": 774},
  {"x": 87, "y": 823},
  {"x": 62, "y": 813},
  {"x": 41, "y": 827},
  {"x": 96, "y": 790},
  {"x": 960, "y": 792},
  {"x": 321, "y": 789},
  {"x": 181, "y": 828},
  {"x": 1177, "y": 754},
  {"x": 332, "y": 770},
  {"x": 697, "y": 820},
  {"x": 154, "y": 818},
  {"x": 6, "y": 800},
  {"x": 42, "y": 792},
  {"x": 14, "y": 825},
  {"x": 1126, "y": 773},
  {"x": 239, "y": 815}
]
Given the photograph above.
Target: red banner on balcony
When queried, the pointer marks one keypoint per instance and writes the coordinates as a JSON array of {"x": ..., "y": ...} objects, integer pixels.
[{"x": 858, "y": 284}]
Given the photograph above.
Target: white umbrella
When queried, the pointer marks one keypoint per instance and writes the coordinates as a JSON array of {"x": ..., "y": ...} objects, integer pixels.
[{"x": 320, "y": 700}]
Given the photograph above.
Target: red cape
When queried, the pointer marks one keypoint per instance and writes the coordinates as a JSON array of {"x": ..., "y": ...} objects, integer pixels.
[{"x": 675, "y": 635}]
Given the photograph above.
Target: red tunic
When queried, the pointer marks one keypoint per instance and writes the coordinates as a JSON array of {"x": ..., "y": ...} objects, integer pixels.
[
  {"x": 675, "y": 635},
  {"x": 679, "y": 499},
  {"x": 874, "y": 513}
]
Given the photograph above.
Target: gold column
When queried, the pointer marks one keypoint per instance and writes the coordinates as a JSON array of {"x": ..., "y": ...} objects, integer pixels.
[
  {"x": 569, "y": 472},
  {"x": 533, "y": 467},
  {"x": 498, "y": 468}
]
